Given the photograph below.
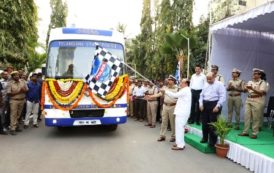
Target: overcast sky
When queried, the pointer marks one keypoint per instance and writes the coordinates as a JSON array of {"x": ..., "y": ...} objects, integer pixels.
[{"x": 104, "y": 14}]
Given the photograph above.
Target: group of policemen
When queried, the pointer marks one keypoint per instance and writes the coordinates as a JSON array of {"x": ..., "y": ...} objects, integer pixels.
[
  {"x": 19, "y": 100},
  {"x": 256, "y": 90},
  {"x": 209, "y": 93},
  {"x": 146, "y": 102}
]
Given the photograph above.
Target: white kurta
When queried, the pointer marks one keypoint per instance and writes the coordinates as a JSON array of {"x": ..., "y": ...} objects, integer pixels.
[{"x": 182, "y": 112}]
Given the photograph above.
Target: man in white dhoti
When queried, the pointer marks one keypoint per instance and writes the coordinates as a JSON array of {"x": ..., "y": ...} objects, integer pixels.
[{"x": 182, "y": 112}]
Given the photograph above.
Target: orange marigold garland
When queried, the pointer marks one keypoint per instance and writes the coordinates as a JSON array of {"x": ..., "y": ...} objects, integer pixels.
[
  {"x": 65, "y": 107},
  {"x": 74, "y": 93},
  {"x": 57, "y": 103},
  {"x": 111, "y": 103},
  {"x": 65, "y": 100},
  {"x": 62, "y": 92},
  {"x": 42, "y": 101}
]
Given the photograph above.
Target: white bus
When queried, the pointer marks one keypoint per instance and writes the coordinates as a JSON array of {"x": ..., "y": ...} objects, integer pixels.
[{"x": 80, "y": 86}]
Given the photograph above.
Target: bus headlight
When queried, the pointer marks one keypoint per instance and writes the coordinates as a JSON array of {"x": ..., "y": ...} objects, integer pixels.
[
  {"x": 54, "y": 121},
  {"x": 117, "y": 119}
]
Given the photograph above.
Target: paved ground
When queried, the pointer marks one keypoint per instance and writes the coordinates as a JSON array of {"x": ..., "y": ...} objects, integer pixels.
[{"x": 131, "y": 149}]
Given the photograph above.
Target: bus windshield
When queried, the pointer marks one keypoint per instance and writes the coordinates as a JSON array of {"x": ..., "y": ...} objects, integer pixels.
[{"x": 74, "y": 59}]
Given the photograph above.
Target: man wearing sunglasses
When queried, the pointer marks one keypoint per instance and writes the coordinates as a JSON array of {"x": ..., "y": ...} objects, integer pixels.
[{"x": 254, "y": 103}]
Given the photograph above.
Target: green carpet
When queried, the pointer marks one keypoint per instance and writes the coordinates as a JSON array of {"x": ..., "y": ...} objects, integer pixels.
[
  {"x": 264, "y": 144},
  {"x": 194, "y": 141}
]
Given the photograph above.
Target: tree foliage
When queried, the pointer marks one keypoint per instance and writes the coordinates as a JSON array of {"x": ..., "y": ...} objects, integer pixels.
[
  {"x": 156, "y": 52},
  {"x": 143, "y": 43},
  {"x": 199, "y": 50},
  {"x": 222, "y": 9},
  {"x": 182, "y": 14},
  {"x": 18, "y": 31},
  {"x": 59, "y": 12}
]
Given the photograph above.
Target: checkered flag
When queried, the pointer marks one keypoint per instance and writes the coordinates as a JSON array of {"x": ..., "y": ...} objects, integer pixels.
[{"x": 109, "y": 68}]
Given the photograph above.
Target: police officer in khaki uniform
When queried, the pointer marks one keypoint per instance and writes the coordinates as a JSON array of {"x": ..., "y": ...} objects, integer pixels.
[
  {"x": 16, "y": 90},
  {"x": 168, "y": 109},
  {"x": 218, "y": 77},
  {"x": 254, "y": 103},
  {"x": 152, "y": 104},
  {"x": 235, "y": 87}
]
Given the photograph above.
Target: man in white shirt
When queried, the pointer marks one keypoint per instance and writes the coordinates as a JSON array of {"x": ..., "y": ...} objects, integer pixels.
[
  {"x": 197, "y": 83},
  {"x": 182, "y": 112},
  {"x": 211, "y": 101},
  {"x": 138, "y": 96}
]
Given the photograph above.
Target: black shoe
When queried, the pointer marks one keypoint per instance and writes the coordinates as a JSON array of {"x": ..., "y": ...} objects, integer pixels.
[
  {"x": 211, "y": 146},
  {"x": 172, "y": 139},
  {"x": 26, "y": 126},
  {"x": 203, "y": 141},
  {"x": 35, "y": 126},
  {"x": 243, "y": 134},
  {"x": 3, "y": 133},
  {"x": 12, "y": 132}
]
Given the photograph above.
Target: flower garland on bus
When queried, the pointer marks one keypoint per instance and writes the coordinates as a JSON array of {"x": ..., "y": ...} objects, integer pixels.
[
  {"x": 115, "y": 96},
  {"x": 72, "y": 106},
  {"x": 65, "y": 88},
  {"x": 118, "y": 83},
  {"x": 64, "y": 100},
  {"x": 69, "y": 106},
  {"x": 42, "y": 101},
  {"x": 71, "y": 101}
]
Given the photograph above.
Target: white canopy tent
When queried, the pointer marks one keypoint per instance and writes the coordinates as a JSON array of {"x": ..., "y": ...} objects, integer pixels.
[{"x": 245, "y": 41}]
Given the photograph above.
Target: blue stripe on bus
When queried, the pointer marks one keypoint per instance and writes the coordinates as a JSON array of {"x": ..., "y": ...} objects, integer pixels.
[
  {"x": 69, "y": 121},
  {"x": 85, "y": 43},
  {"x": 87, "y": 31},
  {"x": 89, "y": 106}
]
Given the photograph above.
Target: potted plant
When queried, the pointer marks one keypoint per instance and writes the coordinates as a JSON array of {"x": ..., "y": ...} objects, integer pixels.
[{"x": 222, "y": 129}]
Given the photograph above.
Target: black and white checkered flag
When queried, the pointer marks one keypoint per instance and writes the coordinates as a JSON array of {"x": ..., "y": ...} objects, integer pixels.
[{"x": 100, "y": 82}]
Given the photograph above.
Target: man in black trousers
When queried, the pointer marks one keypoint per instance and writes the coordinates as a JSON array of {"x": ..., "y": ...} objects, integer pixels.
[
  {"x": 197, "y": 82},
  {"x": 211, "y": 100}
]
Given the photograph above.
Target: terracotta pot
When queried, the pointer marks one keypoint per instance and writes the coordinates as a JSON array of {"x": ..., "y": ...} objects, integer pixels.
[{"x": 221, "y": 150}]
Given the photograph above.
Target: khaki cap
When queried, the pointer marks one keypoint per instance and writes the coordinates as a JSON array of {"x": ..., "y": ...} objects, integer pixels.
[
  {"x": 257, "y": 69},
  {"x": 171, "y": 77},
  {"x": 235, "y": 70},
  {"x": 14, "y": 72}
]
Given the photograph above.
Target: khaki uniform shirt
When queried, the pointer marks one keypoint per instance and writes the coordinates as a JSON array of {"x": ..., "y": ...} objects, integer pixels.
[
  {"x": 151, "y": 91},
  {"x": 15, "y": 87},
  {"x": 220, "y": 78},
  {"x": 258, "y": 85},
  {"x": 238, "y": 84},
  {"x": 168, "y": 99}
]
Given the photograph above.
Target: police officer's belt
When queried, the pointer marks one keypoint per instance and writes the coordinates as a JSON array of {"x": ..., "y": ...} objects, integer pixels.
[
  {"x": 17, "y": 99},
  {"x": 169, "y": 104},
  {"x": 234, "y": 95},
  {"x": 254, "y": 96}
]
